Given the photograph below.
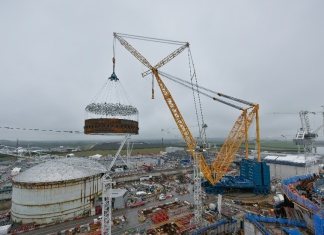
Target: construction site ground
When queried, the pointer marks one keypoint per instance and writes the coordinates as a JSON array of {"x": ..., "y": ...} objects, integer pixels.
[
  {"x": 250, "y": 203},
  {"x": 249, "y": 198}
]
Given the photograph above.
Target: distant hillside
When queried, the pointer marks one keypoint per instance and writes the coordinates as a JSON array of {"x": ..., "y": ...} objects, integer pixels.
[
  {"x": 136, "y": 145},
  {"x": 45, "y": 144},
  {"x": 266, "y": 144}
]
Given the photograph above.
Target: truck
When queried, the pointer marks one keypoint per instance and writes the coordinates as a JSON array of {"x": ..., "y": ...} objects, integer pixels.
[
  {"x": 119, "y": 170},
  {"x": 136, "y": 204},
  {"x": 141, "y": 193},
  {"x": 147, "y": 177},
  {"x": 161, "y": 197}
]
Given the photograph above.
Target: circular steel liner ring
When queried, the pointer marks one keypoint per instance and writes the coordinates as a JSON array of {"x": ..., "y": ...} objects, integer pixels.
[{"x": 102, "y": 126}]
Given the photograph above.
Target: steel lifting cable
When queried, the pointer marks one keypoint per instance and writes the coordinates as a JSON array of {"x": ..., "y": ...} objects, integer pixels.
[
  {"x": 112, "y": 91},
  {"x": 200, "y": 105},
  {"x": 99, "y": 92},
  {"x": 125, "y": 94},
  {"x": 106, "y": 92},
  {"x": 166, "y": 41},
  {"x": 181, "y": 81},
  {"x": 114, "y": 46},
  {"x": 193, "y": 90},
  {"x": 105, "y": 84},
  {"x": 188, "y": 85},
  {"x": 117, "y": 95},
  {"x": 114, "y": 60}
]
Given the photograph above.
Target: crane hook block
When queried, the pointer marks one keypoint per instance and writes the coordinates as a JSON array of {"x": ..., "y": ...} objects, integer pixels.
[{"x": 113, "y": 77}]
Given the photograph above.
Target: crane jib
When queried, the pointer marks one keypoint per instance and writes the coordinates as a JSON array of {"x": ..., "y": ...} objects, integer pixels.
[
  {"x": 214, "y": 172},
  {"x": 199, "y": 89}
]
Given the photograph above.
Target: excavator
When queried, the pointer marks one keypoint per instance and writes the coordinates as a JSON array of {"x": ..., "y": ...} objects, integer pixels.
[{"x": 215, "y": 171}]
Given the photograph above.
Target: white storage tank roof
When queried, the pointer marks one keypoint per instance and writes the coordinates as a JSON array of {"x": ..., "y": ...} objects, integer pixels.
[
  {"x": 60, "y": 170},
  {"x": 56, "y": 190},
  {"x": 290, "y": 159}
]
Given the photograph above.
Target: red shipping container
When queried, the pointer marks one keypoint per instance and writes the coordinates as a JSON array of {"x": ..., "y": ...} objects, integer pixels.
[{"x": 98, "y": 210}]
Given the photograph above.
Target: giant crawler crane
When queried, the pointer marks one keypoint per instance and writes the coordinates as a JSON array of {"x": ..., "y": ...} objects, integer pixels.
[{"x": 215, "y": 171}]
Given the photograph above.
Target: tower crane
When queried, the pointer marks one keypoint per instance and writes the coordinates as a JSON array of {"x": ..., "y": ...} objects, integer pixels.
[
  {"x": 305, "y": 137},
  {"x": 107, "y": 190},
  {"x": 215, "y": 171}
]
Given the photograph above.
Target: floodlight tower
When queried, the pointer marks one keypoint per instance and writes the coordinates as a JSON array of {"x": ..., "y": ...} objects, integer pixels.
[{"x": 111, "y": 114}]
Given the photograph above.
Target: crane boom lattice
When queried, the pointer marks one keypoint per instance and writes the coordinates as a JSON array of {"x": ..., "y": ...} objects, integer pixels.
[{"x": 217, "y": 169}]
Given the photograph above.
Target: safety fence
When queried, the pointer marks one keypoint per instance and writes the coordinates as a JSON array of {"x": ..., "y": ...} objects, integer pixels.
[
  {"x": 213, "y": 226},
  {"x": 89, "y": 228},
  {"x": 288, "y": 187},
  {"x": 318, "y": 225},
  {"x": 4, "y": 215},
  {"x": 30, "y": 227},
  {"x": 276, "y": 220},
  {"x": 317, "y": 184},
  {"x": 255, "y": 219},
  {"x": 23, "y": 229}
]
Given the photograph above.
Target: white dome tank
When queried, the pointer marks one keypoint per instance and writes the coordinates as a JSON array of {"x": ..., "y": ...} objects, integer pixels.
[{"x": 56, "y": 190}]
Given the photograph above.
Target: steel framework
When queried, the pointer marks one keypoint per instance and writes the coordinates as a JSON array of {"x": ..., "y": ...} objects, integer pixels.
[
  {"x": 106, "y": 205},
  {"x": 306, "y": 137},
  {"x": 106, "y": 191},
  {"x": 197, "y": 191}
]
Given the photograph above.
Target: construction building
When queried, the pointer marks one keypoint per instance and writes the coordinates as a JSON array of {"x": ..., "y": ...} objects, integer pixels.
[
  {"x": 118, "y": 198},
  {"x": 284, "y": 166}
]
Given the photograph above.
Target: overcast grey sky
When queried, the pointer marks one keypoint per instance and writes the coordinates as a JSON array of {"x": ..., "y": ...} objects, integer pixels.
[{"x": 56, "y": 55}]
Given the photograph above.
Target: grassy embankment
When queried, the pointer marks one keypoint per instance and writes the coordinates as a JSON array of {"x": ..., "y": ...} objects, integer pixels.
[
  {"x": 6, "y": 157},
  {"x": 271, "y": 146},
  {"x": 279, "y": 146}
]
